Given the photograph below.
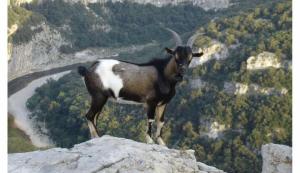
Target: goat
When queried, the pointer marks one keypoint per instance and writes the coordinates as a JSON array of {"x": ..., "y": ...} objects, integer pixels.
[{"x": 151, "y": 84}]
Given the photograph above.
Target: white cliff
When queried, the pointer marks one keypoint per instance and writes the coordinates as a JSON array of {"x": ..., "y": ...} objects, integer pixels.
[
  {"x": 266, "y": 60},
  {"x": 197, "y": 83},
  {"x": 19, "y": 2},
  {"x": 39, "y": 52},
  {"x": 215, "y": 50},
  {"x": 205, "y": 4},
  {"x": 252, "y": 89},
  {"x": 276, "y": 158},
  {"x": 12, "y": 30},
  {"x": 212, "y": 130},
  {"x": 108, "y": 154}
]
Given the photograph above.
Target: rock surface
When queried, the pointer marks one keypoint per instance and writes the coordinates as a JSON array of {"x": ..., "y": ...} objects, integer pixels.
[
  {"x": 205, "y": 4},
  {"x": 276, "y": 158},
  {"x": 252, "y": 89},
  {"x": 41, "y": 51},
  {"x": 108, "y": 154},
  {"x": 12, "y": 30},
  {"x": 19, "y": 2},
  {"x": 262, "y": 61},
  {"x": 197, "y": 83},
  {"x": 215, "y": 130},
  {"x": 215, "y": 50}
]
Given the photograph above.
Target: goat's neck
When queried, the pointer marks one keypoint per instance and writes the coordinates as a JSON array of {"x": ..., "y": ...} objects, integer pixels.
[{"x": 170, "y": 70}]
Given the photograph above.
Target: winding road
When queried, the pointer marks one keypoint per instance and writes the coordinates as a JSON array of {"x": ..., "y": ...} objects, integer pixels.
[{"x": 21, "y": 89}]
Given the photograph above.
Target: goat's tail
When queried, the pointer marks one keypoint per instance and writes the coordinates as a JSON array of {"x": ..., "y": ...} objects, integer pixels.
[{"x": 83, "y": 71}]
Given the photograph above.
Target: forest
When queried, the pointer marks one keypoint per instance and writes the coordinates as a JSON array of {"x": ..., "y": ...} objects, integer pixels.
[{"x": 250, "y": 120}]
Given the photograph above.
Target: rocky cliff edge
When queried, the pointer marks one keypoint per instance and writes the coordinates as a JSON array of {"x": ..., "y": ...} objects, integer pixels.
[{"x": 108, "y": 154}]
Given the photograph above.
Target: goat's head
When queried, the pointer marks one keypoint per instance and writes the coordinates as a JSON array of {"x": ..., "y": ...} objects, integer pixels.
[{"x": 183, "y": 54}]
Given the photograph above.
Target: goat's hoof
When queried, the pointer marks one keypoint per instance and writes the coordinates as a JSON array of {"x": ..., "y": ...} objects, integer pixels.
[
  {"x": 149, "y": 140},
  {"x": 160, "y": 141},
  {"x": 94, "y": 136}
]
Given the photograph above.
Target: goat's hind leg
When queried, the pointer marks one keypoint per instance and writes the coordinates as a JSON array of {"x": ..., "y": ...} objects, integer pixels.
[
  {"x": 160, "y": 111},
  {"x": 150, "y": 115},
  {"x": 97, "y": 104}
]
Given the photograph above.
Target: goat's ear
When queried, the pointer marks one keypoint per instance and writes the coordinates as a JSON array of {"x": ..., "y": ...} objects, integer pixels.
[
  {"x": 169, "y": 51},
  {"x": 197, "y": 54}
]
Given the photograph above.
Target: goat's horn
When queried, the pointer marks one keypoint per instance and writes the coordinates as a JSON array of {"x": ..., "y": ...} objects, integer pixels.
[
  {"x": 175, "y": 36},
  {"x": 192, "y": 39}
]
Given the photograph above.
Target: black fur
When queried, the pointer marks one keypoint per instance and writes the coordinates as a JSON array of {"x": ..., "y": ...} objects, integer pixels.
[{"x": 83, "y": 71}]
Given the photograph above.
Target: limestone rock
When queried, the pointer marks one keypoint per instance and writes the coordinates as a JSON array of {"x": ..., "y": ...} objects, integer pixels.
[
  {"x": 12, "y": 30},
  {"x": 216, "y": 51},
  {"x": 262, "y": 61},
  {"x": 108, "y": 154},
  {"x": 235, "y": 88},
  {"x": 252, "y": 89},
  {"x": 43, "y": 49},
  {"x": 276, "y": 158},
  {"x": 19, "y": 2},
  {"x": 213, "y": 129},
  {"x": 197, "y": 83},
  {"x": 205, "y": 4},
  {"x": 208, "y": 169}
]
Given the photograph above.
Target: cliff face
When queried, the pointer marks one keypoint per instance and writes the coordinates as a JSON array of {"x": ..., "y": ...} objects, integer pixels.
[
  {"x": 266, "y": 60},
  {"x": 108, "y": 154},
  {"x": 262, "y": 61},
  {"x": 18, "y": 2},
  {"x": 215, "y": 50},
  {"x": 252, "y": 89},
  {"x": 276, "y": 158},
  {"x": 205, "y": 4},
  {"x": 39, "y": 52}
]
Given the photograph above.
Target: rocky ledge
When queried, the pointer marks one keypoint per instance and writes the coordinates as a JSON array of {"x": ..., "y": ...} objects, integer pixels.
[
  {"x": 108, "y": 154},
  {"x": 276, "y": 158}
]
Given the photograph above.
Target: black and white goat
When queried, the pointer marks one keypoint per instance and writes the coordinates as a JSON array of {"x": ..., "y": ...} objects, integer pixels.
[{"x": 151, "y": 84}]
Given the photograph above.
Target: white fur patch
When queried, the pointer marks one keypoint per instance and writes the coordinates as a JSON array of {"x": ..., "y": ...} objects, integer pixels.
[
  {"x": 108, "y": 78},
  {"x": 158, "y": 128},
  {"x": 150, "y": 120}
]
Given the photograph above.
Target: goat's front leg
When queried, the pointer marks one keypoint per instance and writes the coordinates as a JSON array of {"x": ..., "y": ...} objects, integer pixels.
[
  {"x": 160, "y": 113},
  {"x": 150, "y": 115}
]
